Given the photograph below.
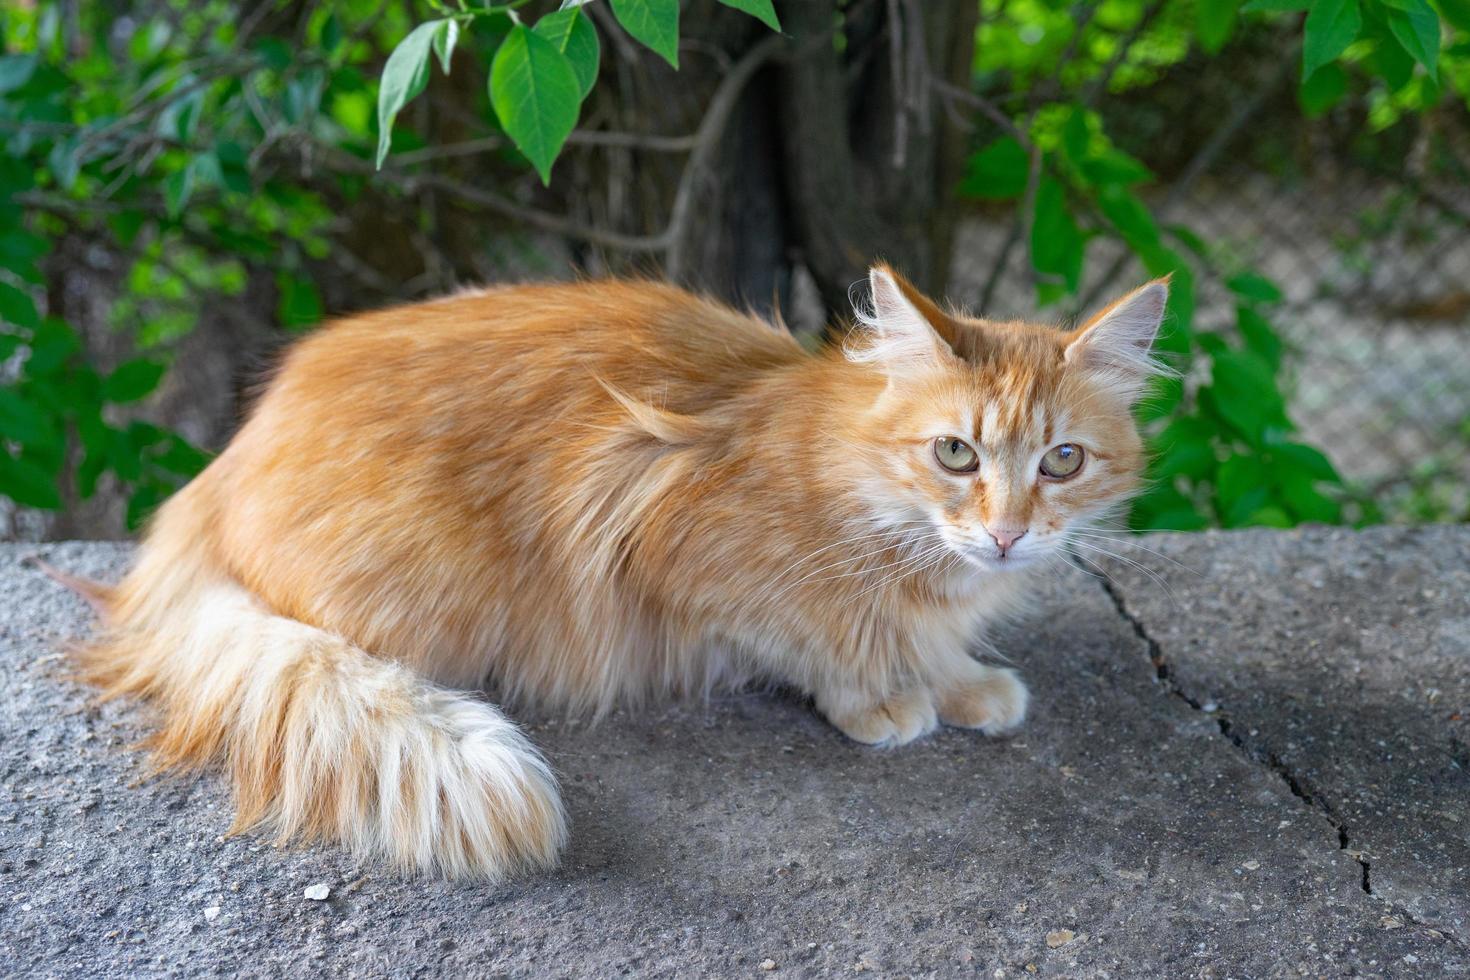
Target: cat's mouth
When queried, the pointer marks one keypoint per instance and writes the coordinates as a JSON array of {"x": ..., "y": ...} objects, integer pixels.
[{"x": 992, "y": 560}]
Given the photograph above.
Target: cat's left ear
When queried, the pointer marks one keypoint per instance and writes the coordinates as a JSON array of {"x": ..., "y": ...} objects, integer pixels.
[
  {"x": 1118, "y": 342},
  {"x": 902, "y": 326}
]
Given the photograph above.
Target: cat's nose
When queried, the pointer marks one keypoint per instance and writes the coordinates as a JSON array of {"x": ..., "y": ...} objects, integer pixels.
[{"x": 1006, "y": 537}]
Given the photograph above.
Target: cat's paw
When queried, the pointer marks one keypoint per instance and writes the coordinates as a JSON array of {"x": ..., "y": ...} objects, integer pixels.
[
  {"x": 993, "y": 701},
  {"x": 894, "y": 721}
]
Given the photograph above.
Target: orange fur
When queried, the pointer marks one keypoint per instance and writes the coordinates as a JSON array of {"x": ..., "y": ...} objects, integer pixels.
[{"x": 588, "y": 495}]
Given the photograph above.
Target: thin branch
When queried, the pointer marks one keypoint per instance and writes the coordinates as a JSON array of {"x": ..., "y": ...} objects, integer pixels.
[
  {"x": 490, "y": 201},
  {"x": 634, "y": 141},
  {"x": 707, "y": 138},
  {"x": 1201, "y": 162},
  {"x": 987, "y": 108}
]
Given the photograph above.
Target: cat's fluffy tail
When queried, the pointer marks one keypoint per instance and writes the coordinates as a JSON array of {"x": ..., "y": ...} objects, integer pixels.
[{"x": 321, "y": 739}]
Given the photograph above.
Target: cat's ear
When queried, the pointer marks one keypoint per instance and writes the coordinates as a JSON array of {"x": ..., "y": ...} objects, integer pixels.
[
  {"x": 1118, "y": 342},
  {"x": 901, "y": 326}
]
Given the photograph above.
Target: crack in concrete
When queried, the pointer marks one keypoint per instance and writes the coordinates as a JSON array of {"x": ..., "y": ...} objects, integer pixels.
[{"x": 1259, "y": 754}]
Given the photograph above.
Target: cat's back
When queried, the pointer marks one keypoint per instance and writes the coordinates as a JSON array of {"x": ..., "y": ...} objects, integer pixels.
[{"x": 636, "y": 335}]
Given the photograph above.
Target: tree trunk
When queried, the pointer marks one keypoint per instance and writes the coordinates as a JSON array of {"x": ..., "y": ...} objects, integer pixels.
[{"x": 837, "y": 153}]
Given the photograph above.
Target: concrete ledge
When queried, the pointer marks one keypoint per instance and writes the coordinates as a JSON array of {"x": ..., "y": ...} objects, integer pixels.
[{"x": 1266, "y": 775}]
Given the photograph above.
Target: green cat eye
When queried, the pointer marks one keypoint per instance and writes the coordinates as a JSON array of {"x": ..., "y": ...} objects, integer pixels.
[
  {"x": 956, "y": 455},
  {"x": 1062, "y": 461}
]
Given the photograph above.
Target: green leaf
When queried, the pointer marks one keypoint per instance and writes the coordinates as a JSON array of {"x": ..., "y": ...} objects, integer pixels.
[
  {"x": 1192, "y": 459},
  {"x": 404, "y": 77},
  {"x": 1056, "y": 242},
  {"x": 180, "y": 457},
  {"x": 575, "y": 37},
  {"x": 1274, "y": 6},
  {"x": 653, "y": 22},
  {"x": 51, "y": 345},
  {"x": 1331, "y": 26},
  {"x": 300, "y": 302},
  {"x": 1243, "y": 392},
  {"x": 331, "y": 34},
  {"x": 759, "y": 9},
  {"x": 1113, "y": 166},
  {"x": 998, "y": 172},
  {"x": 1417, "y": 29},
  {"x": 28, "y": 483},
  {"x": 17, "y": 307},
  {"x": 1266, "y": 517},
  {"x": 24, "y": 421},
  {"x": 19, "y": 250},
  {"x": 444, "y": 40},
  {"x": 1077, "y": 136},
  {"x": 1389, "y": 59},
  {"x": 1259, "y": 335},
  {"x": 1457, "y": 12},
  {"x": 536, "y": 94},
  {"x": 1311, "y": 461},
  {"x": 1254, "y": 287},
  {"x": 1241, "y": 488},
  {"x": 16, "y": 70},
  {"x": 132, "y": 380},
  {"x": 1323, "y": 90},
  {"x": 141, "y": 504},
  {"x": 1129, "y": 217},
  {"x": 1214, "y": 22}
]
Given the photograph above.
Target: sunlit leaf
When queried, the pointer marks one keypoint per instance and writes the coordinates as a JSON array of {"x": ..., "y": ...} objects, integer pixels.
[
  {"x": 574, "y": 36},
  {"x": 759, "y": 9},
  {"x": 404, "y": 76},
  {"x": 1416, "y": 27},
  {"x": 1214, "y": 22},
  {"x": 535, "y": 92},
  {"x": 1330, "y": 27},
  {"x": 653, "y": 22},
  {"x": 132, "y": 380}
]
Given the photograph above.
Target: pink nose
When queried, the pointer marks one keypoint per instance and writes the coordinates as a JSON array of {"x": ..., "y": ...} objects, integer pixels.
[{"x": 1005, "y": 537}]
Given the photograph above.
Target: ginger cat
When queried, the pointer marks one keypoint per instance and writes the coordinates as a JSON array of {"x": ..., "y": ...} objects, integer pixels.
[{"x": 587, "y": 495}]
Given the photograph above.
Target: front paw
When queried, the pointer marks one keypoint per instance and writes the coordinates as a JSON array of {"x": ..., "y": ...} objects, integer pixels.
[
  {"x": 894, "y": 721},
  {"x": 994, "y": 701}
]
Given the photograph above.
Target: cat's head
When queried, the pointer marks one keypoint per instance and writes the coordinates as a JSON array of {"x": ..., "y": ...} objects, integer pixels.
[{"x": 1000, "y": 439}]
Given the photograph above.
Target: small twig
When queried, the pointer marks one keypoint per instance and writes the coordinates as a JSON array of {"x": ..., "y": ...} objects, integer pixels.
[
  {"x": 635, "y": 141},
  {"x": 707, "y": 138},
  {"x": 1199, "y": 164},
  {"x": 987, "y": 108},
  {"x": 895, "y": 74}
]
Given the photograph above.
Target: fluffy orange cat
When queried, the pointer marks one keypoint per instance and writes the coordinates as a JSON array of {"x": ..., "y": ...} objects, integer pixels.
[{"x": 588, "y": 495}]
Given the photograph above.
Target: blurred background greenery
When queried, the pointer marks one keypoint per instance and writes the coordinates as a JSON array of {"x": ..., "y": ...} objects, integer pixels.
[{"x": 189, "y": 185}]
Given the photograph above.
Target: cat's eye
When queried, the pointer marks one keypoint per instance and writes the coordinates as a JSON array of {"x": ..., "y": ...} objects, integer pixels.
[
  {"x": 1062, "y": 461},
  {"x": 956, "y": 455}
]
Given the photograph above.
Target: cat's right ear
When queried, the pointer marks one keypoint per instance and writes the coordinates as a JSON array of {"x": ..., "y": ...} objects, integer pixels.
[{"x": 895, "y": 331}]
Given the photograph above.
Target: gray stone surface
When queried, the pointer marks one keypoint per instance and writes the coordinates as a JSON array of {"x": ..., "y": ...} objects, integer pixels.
[
  {"x": 710, "y": 838},
  {"x": 1342, "y": 660}
]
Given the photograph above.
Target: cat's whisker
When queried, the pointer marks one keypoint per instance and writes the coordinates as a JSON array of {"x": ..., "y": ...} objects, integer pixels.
[
  {"x": 847, "y": 561},
  {"x": 925, "y": 560},
  {"x": 1130, "y": 544},
  {"x": 894, "y": 530},
  {"x": 1154, "y": 576}
]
